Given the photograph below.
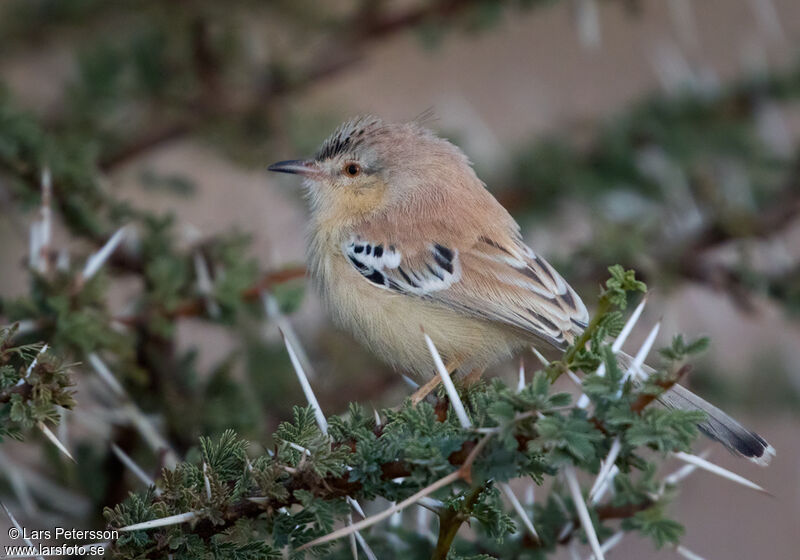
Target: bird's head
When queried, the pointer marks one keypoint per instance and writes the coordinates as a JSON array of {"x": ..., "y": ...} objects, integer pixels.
[{"x": 369, "y": 166}]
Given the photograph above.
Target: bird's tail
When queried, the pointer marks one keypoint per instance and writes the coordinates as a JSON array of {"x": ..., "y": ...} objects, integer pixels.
[
  {"x": 721, "y": 427},
  {"x": 718, "y": 426}
]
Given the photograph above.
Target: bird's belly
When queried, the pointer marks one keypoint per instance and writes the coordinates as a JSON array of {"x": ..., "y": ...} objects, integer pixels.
[{"x": 391, "y": 326}]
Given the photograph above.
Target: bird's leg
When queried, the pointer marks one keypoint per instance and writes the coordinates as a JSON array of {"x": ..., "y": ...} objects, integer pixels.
[
  {"x": 473, "y": 377},
  {"x": 426, "y": 389}
]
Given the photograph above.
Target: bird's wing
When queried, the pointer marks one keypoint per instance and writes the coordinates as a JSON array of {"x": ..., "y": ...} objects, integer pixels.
[{"x": 496, "y": 278}]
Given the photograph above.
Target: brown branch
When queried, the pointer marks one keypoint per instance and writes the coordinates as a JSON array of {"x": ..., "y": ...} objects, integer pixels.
[
  {"x": 604, "y": 513},
  {"x": 196, "y": 307},
  {"x": 690, "y": 260},
  {"x": 450, "y": 522},
  {"x": 645, "y": 399},
  {"x": 25, "y": 390}
]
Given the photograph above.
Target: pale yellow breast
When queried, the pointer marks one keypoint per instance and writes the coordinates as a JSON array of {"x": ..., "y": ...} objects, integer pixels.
[{"x": 390, "y": 324}]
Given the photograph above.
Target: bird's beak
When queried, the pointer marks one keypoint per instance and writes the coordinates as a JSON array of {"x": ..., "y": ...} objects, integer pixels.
[{"x": 304, "y": 167}]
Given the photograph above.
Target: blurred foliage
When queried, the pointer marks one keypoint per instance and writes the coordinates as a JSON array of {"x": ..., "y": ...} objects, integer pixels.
[
  {"x": 672, "y": 179},
  {"x": 34, "y": 385}
]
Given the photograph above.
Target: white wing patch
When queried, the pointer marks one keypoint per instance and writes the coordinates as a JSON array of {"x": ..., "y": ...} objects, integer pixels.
[
  {"x": 511, "y": 285},
  {"x": 384, "y": 265}
]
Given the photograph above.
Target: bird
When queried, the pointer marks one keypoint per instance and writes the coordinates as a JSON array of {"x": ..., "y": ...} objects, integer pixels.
[{"x": 404, "y": 236}]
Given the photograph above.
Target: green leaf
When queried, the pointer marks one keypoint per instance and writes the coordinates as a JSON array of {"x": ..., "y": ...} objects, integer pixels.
[
  {"x": 680, "y": 350},
  {"x": 664, "y": 429},
  {"x": 573, "y": 434},
  {"x": 652, "y": 523},
  {"x": 621, "y": 282}
]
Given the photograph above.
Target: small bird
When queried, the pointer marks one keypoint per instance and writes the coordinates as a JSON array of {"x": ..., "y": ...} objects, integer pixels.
[{"x": 404, "y": 235}]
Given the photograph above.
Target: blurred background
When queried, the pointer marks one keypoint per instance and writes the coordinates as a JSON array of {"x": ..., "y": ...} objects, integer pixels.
[{"x": 661, "y": 135}]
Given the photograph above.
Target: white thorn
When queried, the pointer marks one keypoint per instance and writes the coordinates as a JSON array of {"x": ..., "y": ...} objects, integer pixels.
[
  {"x": 686, "y": 553},
  {"x": 378, "y": 517},
  {"x": 717, "y": 470},
  {"x": 62, "y": 261},
  {"x": 98, "y": 259},
  {"x": 530, "y": 494},
  {"x": 352, "y": 538},
  {"x": 19, "y": 528},
  {"x": 150, "y": 434},
  {"x": 515, "y": 503},
  {"x": 566, "y": 530},
  {"x": 540, "y": 357},
  {"x": 616, "y": 346},
  {"x": 105, "y": 374},
  {"x": 396, "y": 519},
  {"x": 19, "y": 485},
  {"x": 163, "y": 522},
  {"x": 24, "y": 326},
  {"x": 62, "y": 430},
  {"x": 377, "y": 418},
  {"x": 35, "y": 246},
  {"x": 423, "y": 525},
  {"x": 132, "y": 412},
  {"x": 601, "y": 492},
  {"x": 605, "y": 469},
  {"x": 574, "y": 378},
  {"x": 20, "y": 488},
  {"x": 679, "y": 474},
  {"x": 299, "y": 448},
  {"x": 54, "y": 495},
  {"x": 207, "y": 481},
  {"x": 47, "y": 183},
  {"x": 455, "y": 400},
  {"x": 629, "y": 324},
  {"x": 410, "y": 382},
  {"x": 365, "y": 547},
  {"x": 583, "y": 401},
  {"x": 45, "y": 226},
  {"x": 356, "y": 506},
  {"x": 52, "y": 437},
  {"x": 583, "y": 512},
  {"x": 587, "y": 20},
  {"x": 33, "y": 364},
  {"x": 610, "y": 543},
  {"x": 521, "y": 381},
  {"x": 204, "y": 285},
  {"x": 126, "y": 460},
  {"x": 636, "y": 365},
  {"x": 273, "y": 310},
  {"x": 307, "y": 390},
  {"x": 431, "y": 503}
]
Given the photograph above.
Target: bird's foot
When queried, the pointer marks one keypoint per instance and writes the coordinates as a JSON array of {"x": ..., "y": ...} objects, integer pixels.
[{"x": 425, "y": 390}]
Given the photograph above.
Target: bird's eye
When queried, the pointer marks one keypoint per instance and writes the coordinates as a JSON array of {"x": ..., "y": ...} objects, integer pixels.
[{"x": 352, "y": 169}]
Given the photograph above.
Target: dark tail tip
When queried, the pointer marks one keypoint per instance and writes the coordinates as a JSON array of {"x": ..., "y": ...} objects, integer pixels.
[{"x": 741, "y": 442}]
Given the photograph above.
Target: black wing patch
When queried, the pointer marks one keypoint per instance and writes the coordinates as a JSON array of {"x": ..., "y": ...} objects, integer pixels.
[{"x": 384, "y": 265}]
